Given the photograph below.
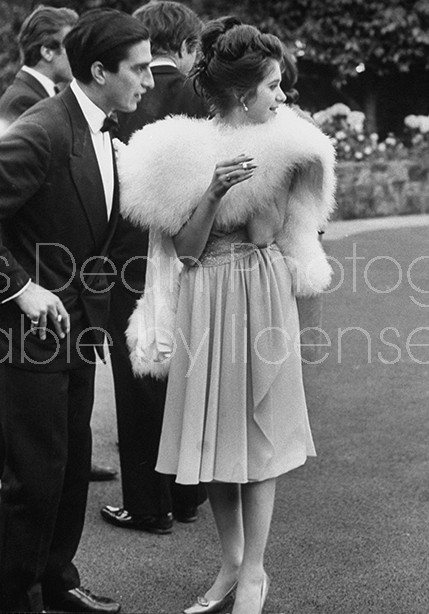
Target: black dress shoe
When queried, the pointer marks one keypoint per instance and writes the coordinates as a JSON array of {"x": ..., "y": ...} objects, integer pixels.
[
  {"x": 81, "y": 600},
  {"x": 152, "y": 524},
  {"x": 186, "y": 514},
  {"x": 102, "y": 474}
]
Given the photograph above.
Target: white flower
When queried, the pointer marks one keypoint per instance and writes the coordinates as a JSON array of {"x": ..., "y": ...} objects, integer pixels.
[
  {"x": 391, "y": 141},
  {"x": 417, "y": 122},
  {"x": 412, "y": 122},
  {"x": 320, "y": 117},
  {"x": 340, "y": 135},
  {"x": 360, "y": 138},
  {"x": 373, "y": 137},
  {"x": 356, "y": 120},
  {"x": 381, "y": 147},
  {"x": 424, "y": 124},
  {"x": 358, "y": 155},
  {"x": 367, "y": 150},
  {"x": 339, "y": 109},
  {"x": 347, "y": 148}
]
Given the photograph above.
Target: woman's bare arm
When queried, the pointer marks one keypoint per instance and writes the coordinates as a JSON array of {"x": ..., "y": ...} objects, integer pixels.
[{"x": 192, "y": 238}]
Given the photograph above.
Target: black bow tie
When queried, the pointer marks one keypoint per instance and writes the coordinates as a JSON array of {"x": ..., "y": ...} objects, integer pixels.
[{"x": 110, "y": 124}]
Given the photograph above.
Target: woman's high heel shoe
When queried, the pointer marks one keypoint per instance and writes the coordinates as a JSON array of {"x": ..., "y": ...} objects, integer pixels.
[
  {"x": 204, "y": 606},
  {"x": 264, "y": 591}
]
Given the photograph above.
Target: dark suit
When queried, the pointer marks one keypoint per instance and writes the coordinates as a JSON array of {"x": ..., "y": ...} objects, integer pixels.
[
  {"x": 22, "y": 93},
  {"x": 140, "y": 402},
  {"x": 54, "y": 221}
]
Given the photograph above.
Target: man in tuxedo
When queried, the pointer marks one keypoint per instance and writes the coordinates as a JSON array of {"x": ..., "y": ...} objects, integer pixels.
[
  {"x": 149, "y": 498},
  {"x": 45, "y": 65},
  {"x": 58, "y": 210},
  {"x": 45, "y": 61}
]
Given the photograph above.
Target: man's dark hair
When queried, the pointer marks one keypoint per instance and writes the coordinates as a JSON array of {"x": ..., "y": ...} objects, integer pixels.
[
  {"x": 102, "y": 35},
  {"x": 41, "y": 29},
  {"x": 169, "y": 24}
]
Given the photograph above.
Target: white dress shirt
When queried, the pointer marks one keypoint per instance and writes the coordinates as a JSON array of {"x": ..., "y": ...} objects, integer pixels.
[
  {"x": 162, "y": 60},
  {"x": 44, "y": 81},
  {"x": 101, "y": 141}
]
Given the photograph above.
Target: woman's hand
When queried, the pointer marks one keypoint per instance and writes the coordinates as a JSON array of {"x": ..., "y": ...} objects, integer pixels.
[
  {"x": 230, "y": 172},
  {"x": 191, "y": 240}
]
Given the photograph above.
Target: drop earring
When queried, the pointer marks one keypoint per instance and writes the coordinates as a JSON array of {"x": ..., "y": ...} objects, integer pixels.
[{"x": 244, "y": 105}]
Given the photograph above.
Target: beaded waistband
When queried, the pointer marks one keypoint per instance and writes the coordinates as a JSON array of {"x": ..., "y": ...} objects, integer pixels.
[{"x": 221, "y": 249}]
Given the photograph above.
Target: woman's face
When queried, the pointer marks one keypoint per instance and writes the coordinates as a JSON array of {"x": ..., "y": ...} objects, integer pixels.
[{"x": 269, "y": 95}]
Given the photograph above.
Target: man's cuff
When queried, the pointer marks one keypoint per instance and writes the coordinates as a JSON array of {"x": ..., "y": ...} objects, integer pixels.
[{"x": 10, "y": 298}]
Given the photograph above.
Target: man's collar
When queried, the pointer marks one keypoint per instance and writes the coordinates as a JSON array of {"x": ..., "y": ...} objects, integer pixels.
[
  {"x": 93, "y": 114},
  {"x": 44, "y": 81},
  {"x": 162, "y": 60}
]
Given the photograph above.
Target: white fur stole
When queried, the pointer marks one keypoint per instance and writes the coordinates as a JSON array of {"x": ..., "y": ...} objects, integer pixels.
[{"x": 167, "y": 167}]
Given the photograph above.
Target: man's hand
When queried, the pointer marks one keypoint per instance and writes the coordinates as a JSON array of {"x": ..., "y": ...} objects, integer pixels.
[{"x": 39, "y": 304}]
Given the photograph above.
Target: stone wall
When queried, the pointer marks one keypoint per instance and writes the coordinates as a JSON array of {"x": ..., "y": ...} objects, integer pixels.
[{"x": 379, "y": 188}]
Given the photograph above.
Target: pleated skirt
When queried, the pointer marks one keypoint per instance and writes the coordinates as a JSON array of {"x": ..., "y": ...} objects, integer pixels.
[{"x": 235, "y": 408}]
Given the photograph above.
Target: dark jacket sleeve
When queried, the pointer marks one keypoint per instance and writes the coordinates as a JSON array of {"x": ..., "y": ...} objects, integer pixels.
[
  {"x": 24, "y": 160},
  {"x": 13, "y": 104},
  {"x": 187, "y": 102}
]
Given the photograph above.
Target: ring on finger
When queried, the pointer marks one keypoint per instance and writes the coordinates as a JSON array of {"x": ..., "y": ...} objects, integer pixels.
[
  {"x": 228, "y": 177},
  {"x": 35, "y": 322},
  {"x": 244, "y": 166}
]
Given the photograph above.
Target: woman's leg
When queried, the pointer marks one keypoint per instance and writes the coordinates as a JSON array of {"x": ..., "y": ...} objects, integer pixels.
[
  {"x": 225, "y": 501},
  {"x": 257, "y": 499}
]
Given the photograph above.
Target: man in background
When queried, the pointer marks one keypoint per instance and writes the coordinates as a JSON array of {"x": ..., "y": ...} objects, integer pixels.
[
  {"x": 45, "y": 60},
  {"x": 45, "y": 66},
  {"x": 149, "y": 499}
]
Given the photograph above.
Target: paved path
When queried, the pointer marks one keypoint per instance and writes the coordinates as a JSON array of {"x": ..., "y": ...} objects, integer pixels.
[
  {"x": 351, "y": 528},
  {"x": 345, "y": 228}
]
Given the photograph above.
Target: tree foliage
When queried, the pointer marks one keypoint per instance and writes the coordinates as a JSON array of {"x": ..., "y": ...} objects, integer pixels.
[
  {"x": 382, "y": 36},
  {"x": 11, "y": 17}
]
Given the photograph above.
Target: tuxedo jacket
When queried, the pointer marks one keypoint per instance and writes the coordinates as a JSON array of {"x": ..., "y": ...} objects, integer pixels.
[
  {"x": 54, "y": 227},
  {"x": 24, "y": 92},
  {"x": 173, "y": 94}
]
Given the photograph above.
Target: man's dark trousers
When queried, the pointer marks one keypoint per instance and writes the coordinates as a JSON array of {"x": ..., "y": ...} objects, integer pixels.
[
  {"x": 140, "y": 401},
  {"x": 43, "y": 535}
]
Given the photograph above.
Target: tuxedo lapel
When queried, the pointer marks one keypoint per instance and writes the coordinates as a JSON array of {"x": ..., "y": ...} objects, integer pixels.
[
  {"x": 84, "y": 169},
  {"x": 114, "y": 214},
  {"x": 115, "y": 203}
]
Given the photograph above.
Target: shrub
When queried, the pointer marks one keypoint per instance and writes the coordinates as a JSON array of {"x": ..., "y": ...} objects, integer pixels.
[{"x": 348, "y": 133}]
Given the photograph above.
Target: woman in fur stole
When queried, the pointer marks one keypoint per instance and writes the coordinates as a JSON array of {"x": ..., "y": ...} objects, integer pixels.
[{"x": 224, "y": 321}]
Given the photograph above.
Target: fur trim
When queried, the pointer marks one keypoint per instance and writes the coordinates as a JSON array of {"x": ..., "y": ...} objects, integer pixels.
[
  {"x": 167, "y": 167},
  {"x": 150, "y": 333}
]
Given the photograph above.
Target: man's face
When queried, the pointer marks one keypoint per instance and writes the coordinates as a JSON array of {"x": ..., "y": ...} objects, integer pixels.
[
  {"x": 60, "y": 63},
  {"x": 124, "y": 89}
]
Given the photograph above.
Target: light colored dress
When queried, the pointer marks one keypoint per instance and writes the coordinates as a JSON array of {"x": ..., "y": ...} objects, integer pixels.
[
  {"x": 235, "y": 408},
  {"x": 227, "y": 332}
]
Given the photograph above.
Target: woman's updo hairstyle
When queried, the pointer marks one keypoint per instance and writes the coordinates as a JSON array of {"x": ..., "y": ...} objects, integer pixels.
[{"x": 234, "y": 60}]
